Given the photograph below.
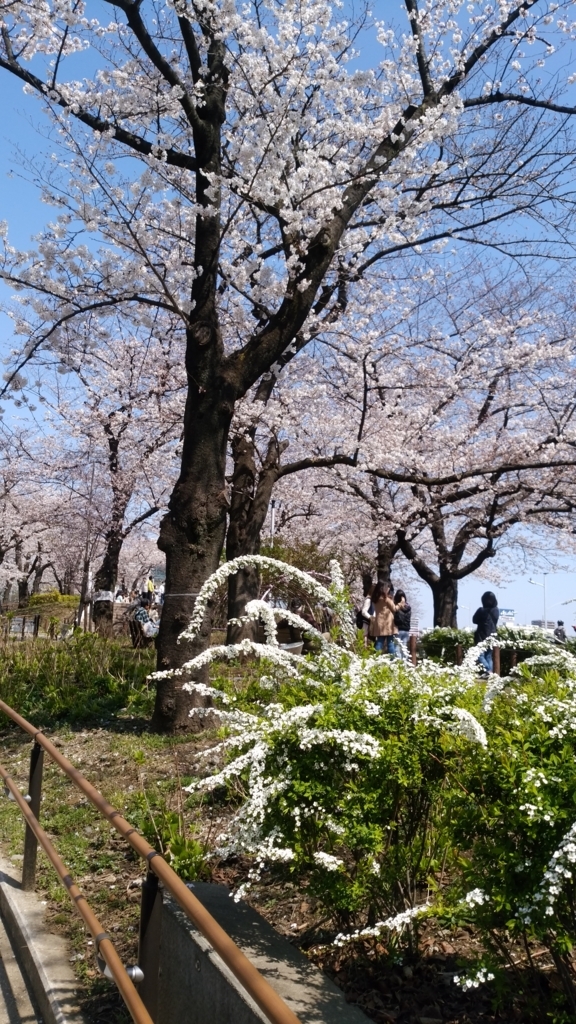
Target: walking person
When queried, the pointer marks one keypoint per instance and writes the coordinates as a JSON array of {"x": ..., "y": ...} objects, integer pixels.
[
  {"x": 402, "y": 620},
  {"x": 486, "y": 622},
  {"x": 560, "y": 632},
  {"x": 382, "y": 627}
]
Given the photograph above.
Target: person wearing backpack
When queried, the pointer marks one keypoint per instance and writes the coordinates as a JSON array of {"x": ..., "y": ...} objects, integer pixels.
[
  {"x": 560, "y": 632},
  {"x": 486, "y": 621},
  {"x": 402, "y": 620}
]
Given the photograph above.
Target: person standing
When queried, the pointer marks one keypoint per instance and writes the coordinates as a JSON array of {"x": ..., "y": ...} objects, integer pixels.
[
  {"x": 402, "y": 619},
  {"x": 560, "y": 632},
  {"x": 382, "y": 627},
  {"x": 486, "y": 621}
]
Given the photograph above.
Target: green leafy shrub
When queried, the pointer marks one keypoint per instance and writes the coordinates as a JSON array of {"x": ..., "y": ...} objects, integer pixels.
[
  {"x": 347, "y": 775},
  {"x": 515, "y": 814},
  {"x": 388, "y": 791},
  {"x": 79, "y": 679},
  {"x": 53, "y": 597},
  {"x": 441, "y": 643}
]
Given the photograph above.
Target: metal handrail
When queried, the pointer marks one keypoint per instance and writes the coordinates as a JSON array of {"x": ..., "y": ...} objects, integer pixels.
[
  {"x": 104, "y": 945},
  {"x": 272, "y": 1005}
]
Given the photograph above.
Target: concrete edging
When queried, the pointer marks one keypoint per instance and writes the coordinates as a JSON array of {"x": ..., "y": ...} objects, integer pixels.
[
  {"x": 43, "y": 955},
  {"x": 196, "y": 987}
]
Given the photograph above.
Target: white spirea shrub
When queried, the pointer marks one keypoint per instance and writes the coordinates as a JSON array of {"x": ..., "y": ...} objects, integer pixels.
[{"x": 360, "y": 773}]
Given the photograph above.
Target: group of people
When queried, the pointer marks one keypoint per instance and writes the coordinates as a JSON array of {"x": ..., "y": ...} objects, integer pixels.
[
  {"x": 386, "y": 616},
  {"x": 385, "y": 619}
]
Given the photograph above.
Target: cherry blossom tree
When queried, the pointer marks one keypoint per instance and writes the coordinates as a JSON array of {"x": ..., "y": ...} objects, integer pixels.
[
  {"x": 119, "y": 399},
  {"x": 276, "y": 173},
  {"x": 471, "y": 401}
]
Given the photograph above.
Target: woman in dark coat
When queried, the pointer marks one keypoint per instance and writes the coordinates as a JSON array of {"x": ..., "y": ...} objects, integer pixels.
[{"x": 486, "y": 622}]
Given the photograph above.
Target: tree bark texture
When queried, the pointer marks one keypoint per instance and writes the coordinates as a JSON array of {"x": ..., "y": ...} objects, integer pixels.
[
  {"x": 445, "y": 597},
  {"x": 387, "y": 551},
  {"x": 105, "y": 580},
  {"x": 192, "y": 537},
  {"x": 249, "y": 501}
]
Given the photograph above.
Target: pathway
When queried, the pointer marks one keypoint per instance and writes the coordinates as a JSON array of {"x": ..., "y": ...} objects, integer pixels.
[{"x": 15, "y": 1003}]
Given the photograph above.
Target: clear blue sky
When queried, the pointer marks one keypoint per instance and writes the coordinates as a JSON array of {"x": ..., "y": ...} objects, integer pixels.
[{"x": 21, "y": 208}]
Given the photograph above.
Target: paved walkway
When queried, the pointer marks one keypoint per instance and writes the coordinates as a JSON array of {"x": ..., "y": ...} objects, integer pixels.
[{"x": 15, "y": 1003}]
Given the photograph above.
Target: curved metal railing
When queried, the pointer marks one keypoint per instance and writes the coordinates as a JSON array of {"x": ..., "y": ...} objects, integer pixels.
[{"x": 271, "y": 1004}]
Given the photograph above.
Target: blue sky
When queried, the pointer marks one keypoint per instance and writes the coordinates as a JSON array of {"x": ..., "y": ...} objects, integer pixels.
[{"x": 21, "y": 208}]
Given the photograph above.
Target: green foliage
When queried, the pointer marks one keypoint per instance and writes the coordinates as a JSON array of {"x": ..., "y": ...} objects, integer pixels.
[
  {"x": 516, "y": 811},
  {"x": 53, "y": 597},
  {"x": 440, "y": 644},
  {"x": 166, "y": 830},
  {"x": 386, "y": 791},
  {"x": 80, "y": 679},
  {"x": 347, "y": 773},
  {"x": 301, "y": 554}
]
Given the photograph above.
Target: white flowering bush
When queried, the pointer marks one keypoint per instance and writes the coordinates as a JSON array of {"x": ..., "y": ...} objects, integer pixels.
[
  {"x": 391, "y": 793},
  {"x": 515, "y": 814},
  {"x": 344, "y": 758},
  {"x": 345, "y": 767}
]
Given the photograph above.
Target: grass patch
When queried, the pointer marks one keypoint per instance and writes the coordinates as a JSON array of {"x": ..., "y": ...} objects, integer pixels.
[{"x": 80, "y": 680}]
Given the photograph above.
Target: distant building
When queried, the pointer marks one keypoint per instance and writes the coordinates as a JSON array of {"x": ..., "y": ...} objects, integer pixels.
[
  {"x": 550, "y": 624},
  {"x": 506, "y": 617}
]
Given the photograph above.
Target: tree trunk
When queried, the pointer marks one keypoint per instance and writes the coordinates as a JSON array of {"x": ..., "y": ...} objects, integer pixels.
[
  {"x": 105, "y": 580},
  {"x": 251, "y": 493},
  {"x": 23, "y": 594},
  {"x": 192, "y": 537},
  {"x": 387, "y": 550},
  {"x": 445, "y": 595},
  {"x": 244, "y": 586},
  {"x": 38, "y": 574}
]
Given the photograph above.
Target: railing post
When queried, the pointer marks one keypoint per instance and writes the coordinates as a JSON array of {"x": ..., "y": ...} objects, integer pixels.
[
  {"x": 149, "y": 942},
  {"x": 35, "y": 794},
  {"x": 23, "y": 627},
  {"x": 496, "y": 660},
  {"x": 412, "y": 648}
]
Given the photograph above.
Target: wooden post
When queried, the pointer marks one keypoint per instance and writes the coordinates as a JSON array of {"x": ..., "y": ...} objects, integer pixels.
[
  {"x": 23, "y": 627},
  {"x": 496, "y": 660},
  {"x": 514, "y": 659},
  {"x": 458, "y": 654},
  {"x": 412, "y": 648}
]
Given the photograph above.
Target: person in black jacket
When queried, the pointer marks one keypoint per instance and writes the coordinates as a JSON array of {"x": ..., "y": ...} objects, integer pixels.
[
  {"x": 486, "y": 621},
  {"x": 402, "y": 619}
]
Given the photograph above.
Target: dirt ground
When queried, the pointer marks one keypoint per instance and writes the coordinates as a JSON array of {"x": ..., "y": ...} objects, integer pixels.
[{"x": 129, "y": 765}]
